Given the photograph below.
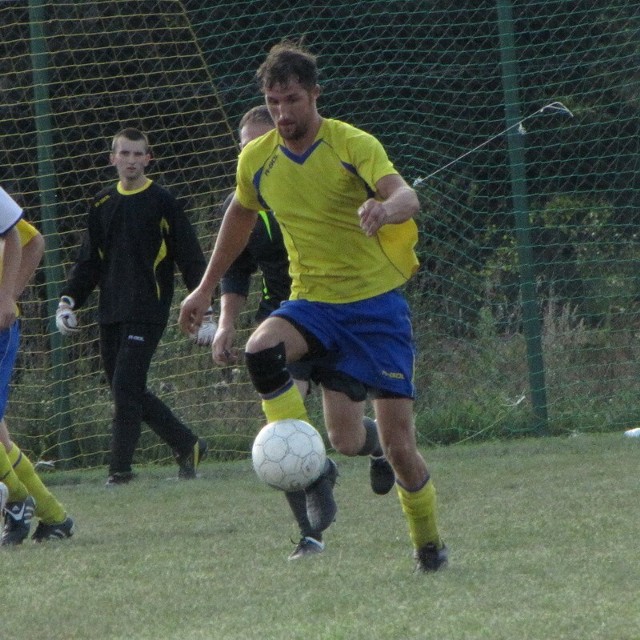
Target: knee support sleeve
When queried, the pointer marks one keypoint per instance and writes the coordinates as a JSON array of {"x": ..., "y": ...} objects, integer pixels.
[
  {"x": 267, "y": 369},
  {"x": 371, "y": 444}
]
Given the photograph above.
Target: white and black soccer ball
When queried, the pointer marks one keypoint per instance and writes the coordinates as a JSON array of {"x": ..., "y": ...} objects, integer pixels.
[{"x": 288, "y": 454}]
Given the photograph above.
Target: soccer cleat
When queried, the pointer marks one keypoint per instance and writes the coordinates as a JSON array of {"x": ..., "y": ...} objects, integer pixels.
[
  {"x": 4, "y": 496},
  {"x": 188, "y": 464},
  {"x": 118, "y": 478},
  {"x": 381, "y": 475},
  {"x": 64, "y": 529},
  {"x": 430, "y": 558},
  {"x": 321, "y": 505},
  {"x": 17, "y": 521},
  {"x": 307, "y": 547}
]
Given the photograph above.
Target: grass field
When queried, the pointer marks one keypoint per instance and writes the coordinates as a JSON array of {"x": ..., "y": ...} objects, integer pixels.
[{"x": 543, "y": 535}]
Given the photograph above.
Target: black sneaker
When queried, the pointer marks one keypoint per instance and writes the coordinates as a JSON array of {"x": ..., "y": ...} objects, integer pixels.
[
  {"x": 321, "y": 505},
  {"x": 307, "y": 547},
  {"x": 64, "y": 529},
  {"x": 120, "y": 477},
  {"x": 381, "y": 475},
  {"x": 17, "y": 521},
  {"x": 188, "y": 463},
  {"x": 430, "y": 558}
]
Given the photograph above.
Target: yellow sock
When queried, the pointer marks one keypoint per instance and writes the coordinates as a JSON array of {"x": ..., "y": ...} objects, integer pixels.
[
  {"x": 419, "y": 508},
  {"x": 288, "y": 404},
  {"x": 48, "y": 509},
  {"x": 17, "y": 490}
]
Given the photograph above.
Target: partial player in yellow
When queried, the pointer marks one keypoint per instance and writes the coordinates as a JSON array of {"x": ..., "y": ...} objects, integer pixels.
[
  {"x": 27, "y": 493},
  {"x": 346, "y": 216}
]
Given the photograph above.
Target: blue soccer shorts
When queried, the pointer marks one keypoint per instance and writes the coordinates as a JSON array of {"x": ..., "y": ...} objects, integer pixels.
[
  {"x": 371, "y": 340},
  {"x": 9, "y": 343}
]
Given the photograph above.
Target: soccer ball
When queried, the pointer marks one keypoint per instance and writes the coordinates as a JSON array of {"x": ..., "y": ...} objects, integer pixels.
[{"x": 288, "y": 454}]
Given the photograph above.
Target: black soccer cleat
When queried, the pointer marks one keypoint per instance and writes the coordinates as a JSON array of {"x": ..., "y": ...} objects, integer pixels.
[
  {"x": 118, "y": 478},
  {"x": 381, "y": 475},
  {"x": 188, "y": 463},
  {"x": 429, "y": 558},
  {"x": 64, "y": 529},
  {"x": 17, "y": 521},
  {"x": 321, "y": 505},
  {"x": 307, "y": 546}
]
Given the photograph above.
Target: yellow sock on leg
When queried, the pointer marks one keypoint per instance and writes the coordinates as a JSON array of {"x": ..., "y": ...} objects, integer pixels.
[
  {"x": 288, "y": 404},
  {"x": 17, "y": 490},
  {"x": 48, "y": 509},
  {"x": 419, "y": 508}
]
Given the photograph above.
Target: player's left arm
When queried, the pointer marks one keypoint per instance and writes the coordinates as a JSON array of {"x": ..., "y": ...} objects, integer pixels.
[
  {"x": 396, "y": 202},
  {"x": 188, "y": 253}
]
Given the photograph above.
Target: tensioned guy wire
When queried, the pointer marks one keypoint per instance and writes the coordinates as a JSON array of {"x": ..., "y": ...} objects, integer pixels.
[{"x": 556, "y": 107}]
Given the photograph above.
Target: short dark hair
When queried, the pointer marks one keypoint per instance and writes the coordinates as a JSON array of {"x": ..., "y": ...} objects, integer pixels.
[
  {"x": 130, "y": 134},
  {"x": 259, "y": 114},
  {"x": 288, "y": 61}
]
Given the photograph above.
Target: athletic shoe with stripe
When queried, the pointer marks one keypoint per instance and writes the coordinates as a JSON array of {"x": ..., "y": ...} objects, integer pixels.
[
  {"x": 307, "y": 546},
  {"x": 430, "y": 558},
  {"x": 17, "y": 521},
  {"x": 64, "y": 529},
  {"x": 188, "y": 463}
]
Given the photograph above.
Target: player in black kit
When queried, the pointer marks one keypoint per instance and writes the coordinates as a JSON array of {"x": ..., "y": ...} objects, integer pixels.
[{"x": 137, "y": 233}]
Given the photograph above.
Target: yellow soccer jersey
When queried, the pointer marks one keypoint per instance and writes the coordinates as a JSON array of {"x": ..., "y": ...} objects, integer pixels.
[
  {"x": 26, "y": 232},
  {"x": 315, "y": 198}
]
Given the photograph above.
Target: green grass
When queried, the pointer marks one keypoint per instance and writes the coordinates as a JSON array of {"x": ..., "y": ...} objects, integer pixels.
[{"x": 543, "y": 535}]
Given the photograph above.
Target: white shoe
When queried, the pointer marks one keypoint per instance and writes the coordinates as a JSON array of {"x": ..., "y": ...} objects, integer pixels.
[
  {"x": 4, "y": 495},
  {"x": 632, "y": 433}
]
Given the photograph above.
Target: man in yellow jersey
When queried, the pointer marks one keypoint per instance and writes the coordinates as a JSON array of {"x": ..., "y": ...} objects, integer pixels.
[
  {"x": 346, "y": 217},
  {"x": 265, "y": 251},
  {"x": 26, "y": 492}
]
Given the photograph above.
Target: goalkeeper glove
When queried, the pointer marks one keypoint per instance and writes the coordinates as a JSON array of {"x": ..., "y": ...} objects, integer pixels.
[
  {"x": 66, "y": 320},
  {"x": 207, "y": 330}
]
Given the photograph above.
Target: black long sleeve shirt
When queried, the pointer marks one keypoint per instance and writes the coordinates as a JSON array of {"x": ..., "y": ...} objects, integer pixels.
[
  {"x": 131, "y": 247},
  {"x": 264, "y": 251}
]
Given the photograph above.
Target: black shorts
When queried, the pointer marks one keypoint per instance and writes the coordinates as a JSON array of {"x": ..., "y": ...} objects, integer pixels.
[{"x": 329, "y": 378}]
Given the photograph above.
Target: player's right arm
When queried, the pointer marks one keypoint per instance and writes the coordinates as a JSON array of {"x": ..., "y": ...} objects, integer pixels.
[
  {"x": 222, "y": 349},
  {"x": 235, "y": 230},
  {"x": 85, "y": 272}
]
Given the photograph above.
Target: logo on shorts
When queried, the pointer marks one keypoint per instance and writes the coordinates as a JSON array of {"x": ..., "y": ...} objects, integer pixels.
[
  {"x": 135, "y": 338},
  {"x": 396, "y": 375}
]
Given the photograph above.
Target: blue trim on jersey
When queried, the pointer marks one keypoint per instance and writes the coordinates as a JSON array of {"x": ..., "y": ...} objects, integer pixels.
[
  {"x": 300, "y": 158},
  {"x": 256, "y": 184},
  {"x": 371, "y": 339},
  {"x": 9, "y": 343},
  {"x": 351, "y": 169}
]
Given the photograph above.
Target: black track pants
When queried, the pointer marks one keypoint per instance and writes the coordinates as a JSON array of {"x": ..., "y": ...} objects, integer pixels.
[{"x": 126, "y": 351}]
